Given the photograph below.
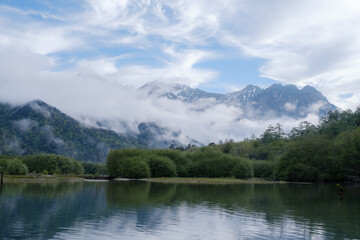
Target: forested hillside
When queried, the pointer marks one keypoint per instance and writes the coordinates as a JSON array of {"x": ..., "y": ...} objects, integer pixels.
[{"x": 39, "y": 128}]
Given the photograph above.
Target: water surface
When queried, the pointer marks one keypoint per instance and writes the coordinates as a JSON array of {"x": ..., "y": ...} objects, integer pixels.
[{"x": 142, "y": 210}]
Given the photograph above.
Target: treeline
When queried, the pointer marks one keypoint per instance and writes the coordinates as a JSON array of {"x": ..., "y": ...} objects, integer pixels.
[
  {"x": 48, "y": 164},
  {"x": 329, "y": 151},
  {"x": 136, "y": 163}
]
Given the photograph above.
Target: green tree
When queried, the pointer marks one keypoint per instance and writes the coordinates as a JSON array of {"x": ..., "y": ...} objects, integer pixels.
[
  {"x": 243, "y": 169},
  {"x": 134, "y": 167},
  {"x": 3, "y": 165},
  {"x": 162, "y": 167},
  {"x": 16, "y": 167}
]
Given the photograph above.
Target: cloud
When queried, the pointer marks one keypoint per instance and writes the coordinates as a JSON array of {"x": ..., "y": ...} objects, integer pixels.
[
  {"x": 303, "y": 43},
  {"x": 291, "y": 107},
  {"x": 89, "y": 63},
  {"x": 25, "y": 124}
]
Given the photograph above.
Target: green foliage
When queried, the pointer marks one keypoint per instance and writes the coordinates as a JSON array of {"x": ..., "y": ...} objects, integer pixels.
[
  {"x": 162, "y": 167},
  {"x": 116, "y": 158},
  {"x": 263, "y": 169},
  {"x": 227, "y": 147},
  {"x": 273, "y": 133},
  {"x": 51, "y": 163},
  {"x": 337, "y": 122},
  {"x": 210, "y": 163},
  {"x": 3, "y": 164},
  {"x": 134, "y": 167},
  {"x": 103, "y": 169},
  {"x": 243, "y": 169},
  {"x": 16, "y": 167},
  {"x": 347, "y": 146},
  {"x": 312, "y": 157},
  {"x": 179, "y": 158},
  {"x": 89, "y": 168},
  {"x": 57, "y": 134},
  {"x": 299, "y": 172}
]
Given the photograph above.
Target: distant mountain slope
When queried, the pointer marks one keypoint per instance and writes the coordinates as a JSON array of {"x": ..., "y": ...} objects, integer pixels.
[
  {"x": 39, "y": 128},
  {"x": 276, "y": 100}
]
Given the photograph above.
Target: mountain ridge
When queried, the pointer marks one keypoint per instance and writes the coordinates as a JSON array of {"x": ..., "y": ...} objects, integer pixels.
[
  {"x": 36, "y": 127},
  {"x": 277, "y": 99}
]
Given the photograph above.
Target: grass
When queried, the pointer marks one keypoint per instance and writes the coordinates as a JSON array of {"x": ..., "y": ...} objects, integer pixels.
[
  {"x": 212, "y": 180},
  {"x": 40, "y": 178}
]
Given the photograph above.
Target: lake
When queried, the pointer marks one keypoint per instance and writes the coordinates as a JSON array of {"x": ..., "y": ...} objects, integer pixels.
[{"x": 143, "y": 210}]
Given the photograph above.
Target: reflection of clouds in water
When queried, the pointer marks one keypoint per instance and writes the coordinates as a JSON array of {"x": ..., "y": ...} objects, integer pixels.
[
  {"x": 140, "y": 210},
  {"x": 192, "y": 222}
]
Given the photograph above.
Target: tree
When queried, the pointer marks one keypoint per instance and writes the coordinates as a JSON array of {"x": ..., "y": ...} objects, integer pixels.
[
  {"x": 3, "y": 165},
  {"x": 304, "y": 129},
  {"x": 134, "y": 167},
  {"x": 162, "y": 167},
  {"x": 16, "y": 167},
  {"x": 273, "y": 134}
]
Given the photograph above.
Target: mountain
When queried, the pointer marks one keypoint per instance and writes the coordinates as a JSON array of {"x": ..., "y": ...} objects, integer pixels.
[
  {"x": 175, "y": 91},
  {"x": 37, "y": 127},
  {"x": 276, "y": 100},
  {"x": 150, "y": 133}
]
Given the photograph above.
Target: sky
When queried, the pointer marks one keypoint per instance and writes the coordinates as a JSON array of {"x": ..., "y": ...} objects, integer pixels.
[{"x": 86, "y": 57}]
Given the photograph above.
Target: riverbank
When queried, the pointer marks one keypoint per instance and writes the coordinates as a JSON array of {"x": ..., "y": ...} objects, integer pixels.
[
  {"x": 60, "y": 178},
  {"x": 41, "y": 178},
  {"x": 213, "y": 180}
]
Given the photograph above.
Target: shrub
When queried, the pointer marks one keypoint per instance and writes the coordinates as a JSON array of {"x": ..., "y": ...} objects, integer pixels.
[
  {"x": 162, "y": 167},
  {"x": 243, "y": 169},
  {"x": 3, "y": 164},
  {"x": 16, "y": 167},
  {"x": 210, "y": 163},
  {"x": 301, "y": 173},
  {"x": 116, "y": 158},
  {"x": 134, "y": 167},
  {"x": 89, "y": 168},
  {"x": 181, "y": 162},
  {"x": 263, "y": 169},
  {"x": 51, "y": 162}
]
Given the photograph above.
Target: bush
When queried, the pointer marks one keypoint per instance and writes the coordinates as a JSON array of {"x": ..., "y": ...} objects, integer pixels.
[
  {"x": 16, "y": 167},
  {"x": 210, "y": 163},
  {"x": 89, "y": 168},
  {"x": 301, "y": 173},
  {"x": 51, "y": 162},
  {"x": 263, "y": 169},
  {"x": 243, "y": 169},
  {"x": 181, "y": 162},
  {"x": 116, "y": 158},
  {"x": 134, "y": 167},
  {"x": 162, "y": 167},
  {"x": 3, "y": 164}
]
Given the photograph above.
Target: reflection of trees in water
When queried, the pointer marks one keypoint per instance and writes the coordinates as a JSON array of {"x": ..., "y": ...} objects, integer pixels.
[
  {"x": 310, "y": 205},
  {"x": 41, "y": 210},
  {"x": 47, "y": 209},
  {"x": 50, "y": 190}
]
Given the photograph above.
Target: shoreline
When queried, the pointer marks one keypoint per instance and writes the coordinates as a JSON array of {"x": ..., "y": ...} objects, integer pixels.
[
  {"x": 50, "y": 178},
  {"x": 34, "y": 179},
  {"x": 214, "y": 181}
]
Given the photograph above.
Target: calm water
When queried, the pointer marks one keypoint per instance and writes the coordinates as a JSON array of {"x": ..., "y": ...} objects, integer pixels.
[{"x": 140, "y": 210}]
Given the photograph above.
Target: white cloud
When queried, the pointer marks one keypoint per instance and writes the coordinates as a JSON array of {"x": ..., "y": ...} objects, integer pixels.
[
  {"x": 291, "y": 107},
  {"x": 302, "y": 42}
]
